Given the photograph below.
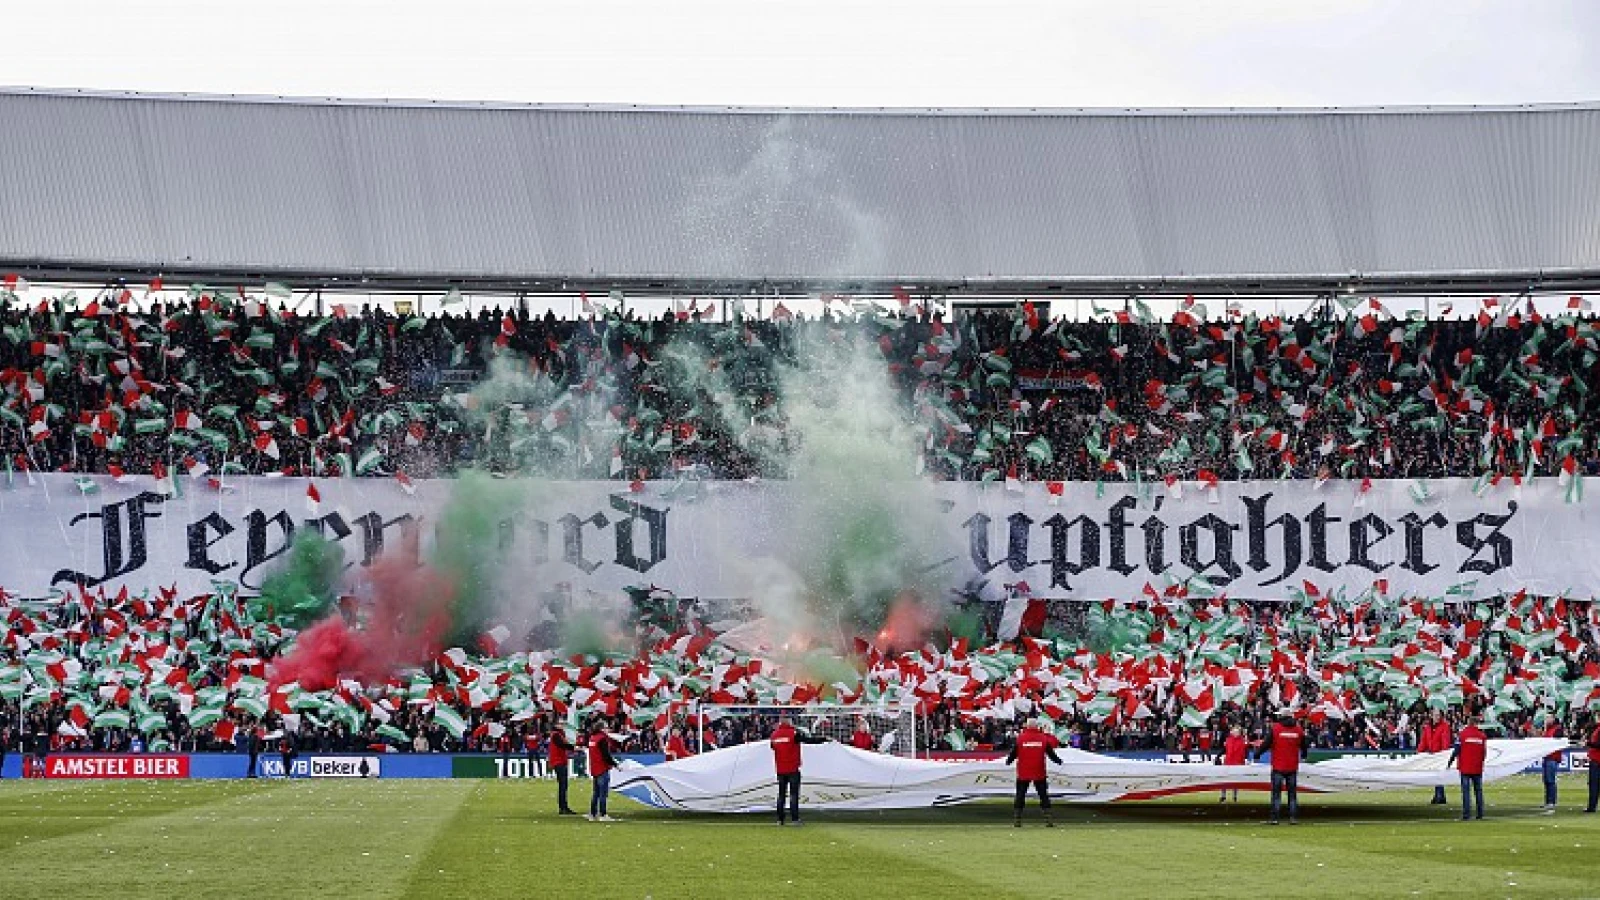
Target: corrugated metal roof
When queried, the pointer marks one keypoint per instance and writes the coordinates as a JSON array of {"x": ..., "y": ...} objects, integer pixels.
[{"x": 503, "y": 194}]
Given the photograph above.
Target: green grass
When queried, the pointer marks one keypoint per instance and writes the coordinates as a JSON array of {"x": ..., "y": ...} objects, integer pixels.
[{"x": 482, "y": 839}]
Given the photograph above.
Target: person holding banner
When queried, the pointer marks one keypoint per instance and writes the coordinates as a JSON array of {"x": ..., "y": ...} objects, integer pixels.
[
  {"x": 1034, "y": 745},
  {"x": 560, "y": 752},
  {"x": 785, "y": 742},
  {"x": 1468, "y": 756},
  {"x": 1288, "y": 746},
  {"x": 601, "y": 761},
  {"x": 1550, "y": 766}
]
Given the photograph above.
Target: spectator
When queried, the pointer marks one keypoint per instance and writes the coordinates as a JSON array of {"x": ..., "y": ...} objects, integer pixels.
[{"x": 1233, "y": 754}]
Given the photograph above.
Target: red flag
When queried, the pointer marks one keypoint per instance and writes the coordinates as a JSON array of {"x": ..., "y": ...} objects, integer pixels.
[{"x": 267, "y": 445}]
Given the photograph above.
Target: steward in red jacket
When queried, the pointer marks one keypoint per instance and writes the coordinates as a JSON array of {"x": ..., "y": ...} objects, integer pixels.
[
  {"x": 602, "y": 759},
  {"x": 560, "y": 750},
  {"x": 1468, "y": 756},
  {"x": 786, "y": 741},
  {"x": 1289, "y": 744},
  {"x": 1034, "y": 745}
]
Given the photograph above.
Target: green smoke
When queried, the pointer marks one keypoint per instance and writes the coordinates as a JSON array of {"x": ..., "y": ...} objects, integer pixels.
[
  {"x": 965, "y": 623},
  {"x": 860, "y": 528},
  {"x": 468, "y": 548},
  {"x": 866, "y": 527},
  {"x": 824, "y": 668},
  {"x": 589, "y": 633},
  {"x": 303, "y": 588}
]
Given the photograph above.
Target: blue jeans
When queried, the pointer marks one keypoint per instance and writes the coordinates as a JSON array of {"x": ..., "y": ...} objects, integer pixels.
[
  {"x": 789, "y": 792},
  {"x": 597, "y": 800},
  {"x": 1280, "y": 781},
  {"x": 1471, "y": 789},
  {"x": 1548, "y": 769}
]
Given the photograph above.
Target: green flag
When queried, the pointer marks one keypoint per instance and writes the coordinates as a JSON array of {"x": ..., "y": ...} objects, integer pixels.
[{"x": 450, "y": 721}]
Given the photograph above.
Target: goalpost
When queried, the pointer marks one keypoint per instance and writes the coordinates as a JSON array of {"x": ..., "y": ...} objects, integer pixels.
[{"x": 896, "y": 732}]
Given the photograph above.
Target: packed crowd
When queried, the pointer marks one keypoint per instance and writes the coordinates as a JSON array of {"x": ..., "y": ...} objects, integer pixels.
[
  {"x": 219, "y": 383},
  {"x": 171, "y": 673},
  {"x": 233, "y": 384}
]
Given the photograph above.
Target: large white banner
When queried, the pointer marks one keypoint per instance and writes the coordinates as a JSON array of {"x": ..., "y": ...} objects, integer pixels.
[
  {"x": 1251, "y": 539},
  {"x": 742, "y": 779}
]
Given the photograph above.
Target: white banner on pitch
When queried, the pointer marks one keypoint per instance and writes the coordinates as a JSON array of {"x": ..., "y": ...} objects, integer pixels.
[{"x": 741, "y": 779}]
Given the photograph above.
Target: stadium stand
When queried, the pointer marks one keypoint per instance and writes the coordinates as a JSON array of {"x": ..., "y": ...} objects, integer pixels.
[{"x": 132, "y": 381}]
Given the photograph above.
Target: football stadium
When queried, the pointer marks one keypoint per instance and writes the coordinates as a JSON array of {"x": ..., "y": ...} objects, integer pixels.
[{"x": 426, "y": 499}]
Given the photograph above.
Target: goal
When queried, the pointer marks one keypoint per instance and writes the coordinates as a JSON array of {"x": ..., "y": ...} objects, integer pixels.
[{"x": 894, "y": 731}]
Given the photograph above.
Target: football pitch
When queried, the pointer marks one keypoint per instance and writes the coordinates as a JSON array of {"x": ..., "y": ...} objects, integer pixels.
[{"x": 440, "y": 839}]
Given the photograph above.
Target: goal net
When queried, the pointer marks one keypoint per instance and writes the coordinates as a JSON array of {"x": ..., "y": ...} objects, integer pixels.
[{"x": 893, "y": 731}]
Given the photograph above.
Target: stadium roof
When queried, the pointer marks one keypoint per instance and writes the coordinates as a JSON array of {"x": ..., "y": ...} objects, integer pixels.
[{"x": 494, "y": 196}]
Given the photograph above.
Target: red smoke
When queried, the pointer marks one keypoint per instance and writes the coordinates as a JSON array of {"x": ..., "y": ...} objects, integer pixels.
[
  {"x": 405, "y": 625},
  {"x": 907, "y": 625}
]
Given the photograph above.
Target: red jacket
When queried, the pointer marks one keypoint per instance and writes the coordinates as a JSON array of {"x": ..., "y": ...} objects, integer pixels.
[
  {"x": 1550, "y": 731},
  {"x": 1594, "y": 746},
  {"x": 1233, "y": 750},
  {"x": 1033, "y": 747},
  {"x": 600, "y": 760},
  {"x": 559, "y": 748},
  {"x": 1436, "y": 738},
  {"x": 677, "y": 749},
  {"x": 861, "y": 740},
  {"x": 1471, "y": 752},
  {"x": 785, "y": 750},
  {"x": 1288, "y": 741}
]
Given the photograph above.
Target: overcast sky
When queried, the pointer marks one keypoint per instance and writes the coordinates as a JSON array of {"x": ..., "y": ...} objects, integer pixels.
[{"x": 823, "y": 52}]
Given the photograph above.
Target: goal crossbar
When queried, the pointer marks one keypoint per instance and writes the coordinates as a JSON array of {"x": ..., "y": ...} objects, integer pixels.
[{"x": 894, "y": 731}]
